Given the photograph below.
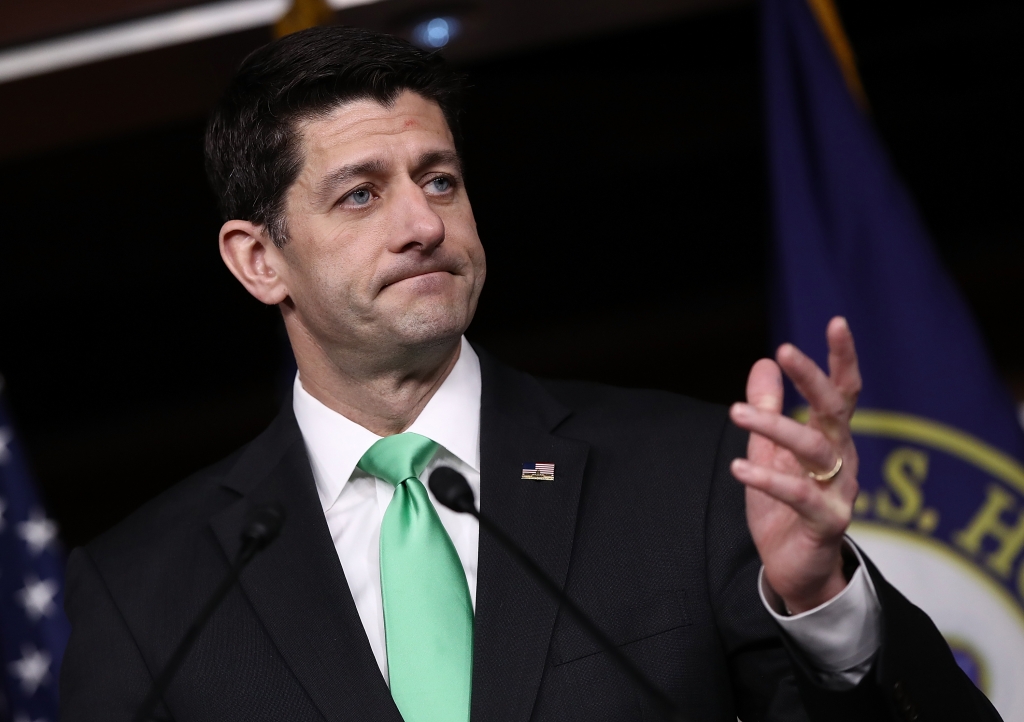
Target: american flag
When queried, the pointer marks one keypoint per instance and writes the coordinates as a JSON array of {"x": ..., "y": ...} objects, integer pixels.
[
  {"x": 33, "y": 628},
  {"x": 539, "y": 471}
]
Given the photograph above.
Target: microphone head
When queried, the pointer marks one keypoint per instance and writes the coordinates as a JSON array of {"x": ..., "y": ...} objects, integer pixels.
[
  {"x": 451, "y": 489},
  {"x": 263, "y": 524}
]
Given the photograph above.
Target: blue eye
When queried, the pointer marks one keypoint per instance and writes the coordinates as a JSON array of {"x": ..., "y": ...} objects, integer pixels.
[
  {"x": 360, "y": 197},
  {"x": 441, "y": 184}
]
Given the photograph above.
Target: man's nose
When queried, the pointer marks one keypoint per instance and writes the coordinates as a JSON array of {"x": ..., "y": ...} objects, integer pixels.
[{"x": 418, "y": 226}]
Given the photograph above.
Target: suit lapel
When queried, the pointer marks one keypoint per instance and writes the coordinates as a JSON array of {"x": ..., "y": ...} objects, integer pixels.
[
  {"x": 297, "y": 585},
  {"x": 514, "y": 617}
]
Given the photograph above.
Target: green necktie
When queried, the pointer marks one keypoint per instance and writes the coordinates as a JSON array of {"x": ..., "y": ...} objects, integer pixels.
[{"x": 428, "y": 614}]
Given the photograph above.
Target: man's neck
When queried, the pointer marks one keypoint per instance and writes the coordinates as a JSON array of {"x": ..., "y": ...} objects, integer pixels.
[{"x": 384, "y": 398}]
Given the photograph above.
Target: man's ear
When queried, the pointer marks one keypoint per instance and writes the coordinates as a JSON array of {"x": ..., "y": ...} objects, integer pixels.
[{"x": 255, "y": 261}]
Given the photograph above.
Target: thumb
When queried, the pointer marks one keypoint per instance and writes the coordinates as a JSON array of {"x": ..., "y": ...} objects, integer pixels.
[{"x": 764, "y": 386}]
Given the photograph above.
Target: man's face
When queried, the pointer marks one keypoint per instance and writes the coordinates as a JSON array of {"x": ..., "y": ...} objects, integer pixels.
[{"x": 382, "y": 248}]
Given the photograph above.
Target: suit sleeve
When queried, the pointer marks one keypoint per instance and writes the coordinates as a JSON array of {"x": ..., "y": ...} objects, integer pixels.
[
  {"x": 914, "y": 676},
  {"x": 764, "y": 681},
  {"x": 103, "y": 676}
]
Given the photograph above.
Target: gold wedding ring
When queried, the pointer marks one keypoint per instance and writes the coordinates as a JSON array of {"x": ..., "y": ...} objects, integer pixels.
[{"x": 830, "y": 475}]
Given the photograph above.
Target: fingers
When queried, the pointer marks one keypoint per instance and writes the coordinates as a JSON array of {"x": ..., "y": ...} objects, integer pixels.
[
  {"x": 810, "y": 446},
  {"x": 826, "y": 510},
  {"x": 832, "y": 400},
  {"x": 811, "y": 381},
  {"x": 842, "y": 359},
  {"x": 833, "y": 395}
]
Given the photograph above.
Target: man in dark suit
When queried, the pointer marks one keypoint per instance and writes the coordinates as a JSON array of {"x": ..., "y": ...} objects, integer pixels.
[{"x": 334, "y": 154}]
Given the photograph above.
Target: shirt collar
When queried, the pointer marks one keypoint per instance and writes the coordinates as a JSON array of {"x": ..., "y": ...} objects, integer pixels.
[{"x": 335, "y": 443}]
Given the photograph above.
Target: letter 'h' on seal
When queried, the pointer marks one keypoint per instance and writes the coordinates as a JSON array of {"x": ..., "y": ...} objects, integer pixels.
[{"x": 428, "y": 613}]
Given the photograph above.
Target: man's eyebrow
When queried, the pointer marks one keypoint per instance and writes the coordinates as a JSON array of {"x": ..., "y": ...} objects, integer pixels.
[
  {"x": 342, "y": 175},
  {"x": 440, "y": 157}
]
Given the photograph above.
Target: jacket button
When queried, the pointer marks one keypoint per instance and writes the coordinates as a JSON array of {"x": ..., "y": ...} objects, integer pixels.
[{"x": 903, "y": 702}]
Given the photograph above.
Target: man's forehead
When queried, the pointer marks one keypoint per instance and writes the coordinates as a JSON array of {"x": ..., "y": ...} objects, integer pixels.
[{"x": 362, "y": 124}]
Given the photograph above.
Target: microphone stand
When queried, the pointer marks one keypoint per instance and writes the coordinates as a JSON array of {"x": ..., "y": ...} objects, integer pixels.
[
  {"x": 258, "y": 533},
  {"x": 456, "y": 495}
]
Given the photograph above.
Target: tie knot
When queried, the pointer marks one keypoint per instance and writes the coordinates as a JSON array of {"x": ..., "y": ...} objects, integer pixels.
[{"x": 397, "y": 458}]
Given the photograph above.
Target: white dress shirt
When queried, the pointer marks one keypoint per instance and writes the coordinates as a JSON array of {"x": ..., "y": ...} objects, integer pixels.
[
  {"x": 840, "y": 637},
  {"x": 354, "y": 502}
]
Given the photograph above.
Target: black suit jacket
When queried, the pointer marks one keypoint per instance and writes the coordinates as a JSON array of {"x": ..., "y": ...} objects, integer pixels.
[{"x": 643, "y": 525}]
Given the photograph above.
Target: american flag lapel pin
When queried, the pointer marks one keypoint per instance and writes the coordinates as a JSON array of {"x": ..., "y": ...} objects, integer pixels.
[{"x": 539, "y": 471}]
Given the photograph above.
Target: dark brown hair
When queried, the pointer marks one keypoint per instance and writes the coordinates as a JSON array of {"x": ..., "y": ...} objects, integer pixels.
[{"x": 252, "y": 151}]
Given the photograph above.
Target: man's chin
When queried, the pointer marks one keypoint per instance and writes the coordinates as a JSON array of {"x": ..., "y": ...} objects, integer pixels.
[
  {"x": 430, "y": 325},
  {"x": 426, "y": 310}
]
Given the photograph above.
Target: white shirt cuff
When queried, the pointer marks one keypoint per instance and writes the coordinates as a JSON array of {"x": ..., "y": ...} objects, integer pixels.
[{"x": 840, "y": 637}]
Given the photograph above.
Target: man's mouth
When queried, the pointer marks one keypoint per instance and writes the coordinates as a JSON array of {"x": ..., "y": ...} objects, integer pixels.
[{"x": 418, "y": 274}]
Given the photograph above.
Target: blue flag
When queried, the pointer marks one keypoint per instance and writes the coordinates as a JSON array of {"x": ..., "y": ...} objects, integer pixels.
[
  {"x": 941, "y": 508},
  {"x": 33, "y": 628}
]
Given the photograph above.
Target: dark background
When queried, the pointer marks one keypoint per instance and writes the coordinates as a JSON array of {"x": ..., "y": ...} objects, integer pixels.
[{"x": 619, "y": 185}]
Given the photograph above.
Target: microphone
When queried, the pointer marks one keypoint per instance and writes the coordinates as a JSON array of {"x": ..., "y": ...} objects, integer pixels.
[
  {"x": 262, "y": 526},
  {"x": 451, "y": 489}
]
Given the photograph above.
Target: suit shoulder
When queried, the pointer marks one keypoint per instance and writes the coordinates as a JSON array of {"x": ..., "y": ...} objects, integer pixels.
[
  {"x": 628, "y": 408},
  {"x": 173, "y": 515}
]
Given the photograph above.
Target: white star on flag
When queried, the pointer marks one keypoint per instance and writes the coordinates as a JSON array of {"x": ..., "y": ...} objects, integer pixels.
[
  {"x": 37, "y": 532},
  {"x": 32, "y": 670},
  {"x": 37, "y": 597},
  {"x": 5, "y": 438}
]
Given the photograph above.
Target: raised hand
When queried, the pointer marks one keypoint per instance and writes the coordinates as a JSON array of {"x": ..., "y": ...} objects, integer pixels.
[{"x": 798, "y": 522}]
